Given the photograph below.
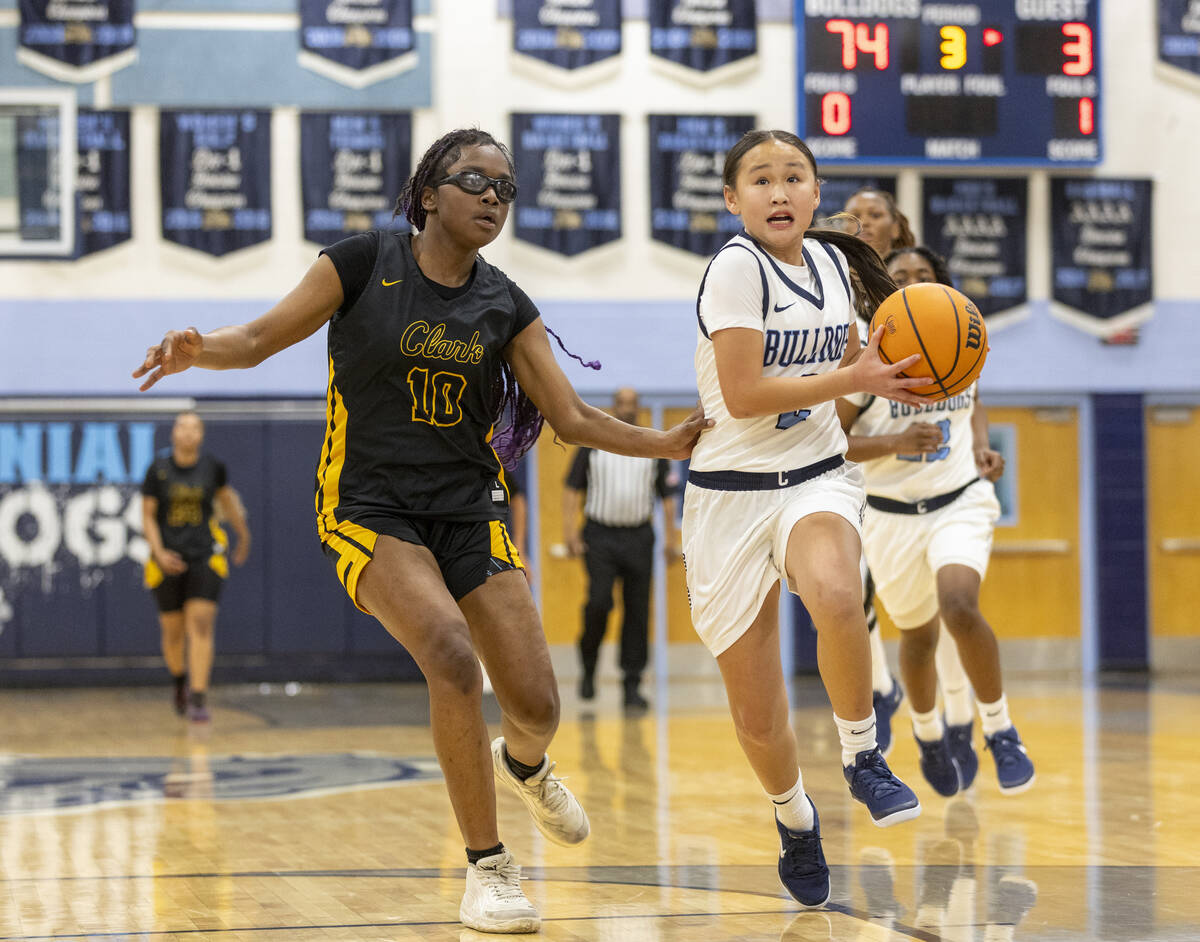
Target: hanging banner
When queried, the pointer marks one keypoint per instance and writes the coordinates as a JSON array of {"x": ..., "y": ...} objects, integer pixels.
[
  {"x": 687, "y": 201},
  {"x": 977, "y": 224},
  {"x": 102, "y": 182},
  {"x": 76, "y": 40},
  {"x": 1101, "y": 253},
  {"x": 215, "y": 174},
  {"x": 1179, "y": 35},
  {"x": 569, "y": 177},
  {"x": 702, "y": 36},
  {"x": 837, "y": 190},
  {"x": 568, "y": 34},
  {"x": 352, "y": 166},
  {"x": 357, "y": 42}
]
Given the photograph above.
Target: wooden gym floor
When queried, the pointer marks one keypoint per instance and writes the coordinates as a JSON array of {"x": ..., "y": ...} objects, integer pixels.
[{"x": 319, "y": 816}]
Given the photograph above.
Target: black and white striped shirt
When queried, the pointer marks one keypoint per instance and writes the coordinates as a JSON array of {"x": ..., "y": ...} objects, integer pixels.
[{"x": 620, "y": 489}]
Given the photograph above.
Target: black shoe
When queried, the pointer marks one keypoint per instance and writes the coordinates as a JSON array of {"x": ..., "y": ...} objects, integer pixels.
[
  {"x": 587, "y": 687},
  {"x": 181, "y": 697},
  {"x": 633, "y": 699}
]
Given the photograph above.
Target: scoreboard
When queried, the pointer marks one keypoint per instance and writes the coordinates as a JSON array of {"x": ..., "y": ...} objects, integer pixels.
[{"x": 921, "y": 82}]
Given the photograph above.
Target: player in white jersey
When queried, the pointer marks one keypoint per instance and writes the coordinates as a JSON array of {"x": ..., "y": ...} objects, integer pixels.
[
  {"x": 928, "y": 537},
  {"x": 769, "y": 494}
]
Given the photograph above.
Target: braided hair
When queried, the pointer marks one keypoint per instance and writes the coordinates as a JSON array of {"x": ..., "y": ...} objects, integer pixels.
[
  {"x": 871, "y": 280},
  {"x": 433, "y": 165}
]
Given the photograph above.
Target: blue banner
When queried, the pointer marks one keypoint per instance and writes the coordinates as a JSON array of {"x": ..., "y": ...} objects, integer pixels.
[
  {"x": 352, "y": 166},
  {"x": 102, "y": 182},
  {"x": 215, "y": 174},
  {"x": 357, "y": 34},
  {"x": 38, "y": 192},
  {"x": 76, "y": 40},
  {"x": 1179, "y": 34},
  {"x": 977, "y": 224},
  {"x": 1102, "y": 252},
  {"x": 703, "y": 34},
  {"x": 569, "y": 175},
  {"x": 687, "y": 201},
  {"x": 567, "y": 33},
  {"x": 836, "y": 191}
]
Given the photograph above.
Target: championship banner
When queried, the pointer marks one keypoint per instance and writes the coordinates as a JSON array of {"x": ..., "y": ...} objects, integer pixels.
[
  {"x": 687, "y": 202},
  {"x": 568, "y": 34},
  {"x": 977, "y": 224},
  {"x": 569, "y": 177},
  {"x": 76, "y": 40},
  {"x": 70, "y": 522},
  {"x": 352, "y": 166},
  {"x": 1101, "y": 253},
  {"x": 357, "y": 42},
  {"x": 215, "y": 174},
  {"x": 1179, "y": 35},
  {"x": 837, "y": 190},
  {"x": 703, "y": 36},
  {"x": 102, "y": 182}
]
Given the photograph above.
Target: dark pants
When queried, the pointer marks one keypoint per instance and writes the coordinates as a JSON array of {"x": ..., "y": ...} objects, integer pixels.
[{"x": 625, "y": 553}]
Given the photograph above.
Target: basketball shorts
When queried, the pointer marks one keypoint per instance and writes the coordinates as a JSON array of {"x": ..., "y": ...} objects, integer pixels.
[
  {"x": 203, "y": 579},
  {"x": 467, "y": 552},
  {"x": 735, "y": 544},
  {"x": 905, "y": 551}
]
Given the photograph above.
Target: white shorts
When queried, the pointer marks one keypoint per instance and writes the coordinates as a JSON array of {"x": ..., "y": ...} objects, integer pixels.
[
  {"x": 735, "y": 543},
  {"x": 905, "y": 551}
]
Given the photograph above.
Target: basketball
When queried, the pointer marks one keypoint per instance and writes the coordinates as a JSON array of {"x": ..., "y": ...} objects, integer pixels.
[{"x": 943, "y": 326}]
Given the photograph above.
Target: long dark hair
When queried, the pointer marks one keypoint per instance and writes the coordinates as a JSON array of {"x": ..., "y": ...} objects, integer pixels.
[
  {"x": 433, "y": 164},
  {"x": 871, "y": 280},
  {"x": 941, "y": 273},
  {"x": 516, "y": 421},
  {"x": 904, "y": 238}
]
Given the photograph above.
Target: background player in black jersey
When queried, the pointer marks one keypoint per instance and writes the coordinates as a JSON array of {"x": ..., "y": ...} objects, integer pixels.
[
  {"x": 427, "y": 346},
  {"x": 181, "y": 494}
]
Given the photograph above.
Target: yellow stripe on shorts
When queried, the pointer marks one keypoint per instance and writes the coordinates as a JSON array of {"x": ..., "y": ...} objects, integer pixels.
[{"x": 503, "y": 546}]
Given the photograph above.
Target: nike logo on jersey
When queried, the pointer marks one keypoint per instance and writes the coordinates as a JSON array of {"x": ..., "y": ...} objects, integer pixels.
[
  {"x": 784, "y": 308},
  {"x": 388, "y": 284}
]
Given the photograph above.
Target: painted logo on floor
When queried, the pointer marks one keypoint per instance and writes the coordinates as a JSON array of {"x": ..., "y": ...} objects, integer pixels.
[{"x": 33, "y": 784}]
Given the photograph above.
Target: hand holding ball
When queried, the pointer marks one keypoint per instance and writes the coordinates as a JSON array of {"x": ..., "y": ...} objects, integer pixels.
[{"x": 940, "y": 324}]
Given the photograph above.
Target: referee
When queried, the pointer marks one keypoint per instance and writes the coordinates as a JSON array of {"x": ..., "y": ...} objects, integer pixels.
[{"x": 616, "y": 494}]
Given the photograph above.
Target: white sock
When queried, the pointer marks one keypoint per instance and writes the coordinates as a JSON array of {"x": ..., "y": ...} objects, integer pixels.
[
  {"x": 994, "y": 716},
  {"x": 956, "y": 688},
  {"x": 928, "y": 726},
  {"x": 792, "y": 808},
  {"x": 881, "y": 674},
  {"x": 856, "y": 736}
]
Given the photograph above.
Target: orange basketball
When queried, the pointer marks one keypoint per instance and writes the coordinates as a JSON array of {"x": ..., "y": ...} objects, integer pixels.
[{"x": 943, "y": 326}]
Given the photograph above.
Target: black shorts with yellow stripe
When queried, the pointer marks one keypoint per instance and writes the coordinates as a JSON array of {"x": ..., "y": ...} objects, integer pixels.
[
  {"x": 467, "y": 552},
  {"x": 202, "y": 579}
]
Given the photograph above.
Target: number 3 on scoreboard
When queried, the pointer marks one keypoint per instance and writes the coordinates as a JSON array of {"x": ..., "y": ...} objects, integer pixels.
[{"x": 953, "y": 47}]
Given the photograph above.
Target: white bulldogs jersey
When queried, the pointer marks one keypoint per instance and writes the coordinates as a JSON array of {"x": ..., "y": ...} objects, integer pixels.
[
  {"x": 912, "y": 478},
  {"x": 804, "y": 313}
]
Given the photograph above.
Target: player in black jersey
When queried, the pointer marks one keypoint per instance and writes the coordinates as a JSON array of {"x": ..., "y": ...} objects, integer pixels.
[
  {"x": 188, "y": 562},
  {"x": 428, "y": 346}
]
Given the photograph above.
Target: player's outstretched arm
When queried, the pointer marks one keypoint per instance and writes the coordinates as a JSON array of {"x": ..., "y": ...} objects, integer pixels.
[
  {"x": 305, "y": 309},
  {"x": 577, "y": 423}
]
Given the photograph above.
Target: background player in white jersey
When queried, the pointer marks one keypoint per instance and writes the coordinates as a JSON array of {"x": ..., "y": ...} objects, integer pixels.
[
  {"x": 769, "y": 494},
  {"x": 928, "y": 536}
]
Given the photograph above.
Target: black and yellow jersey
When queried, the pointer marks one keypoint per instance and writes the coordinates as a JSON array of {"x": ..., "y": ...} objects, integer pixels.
[
  {"x": 185, "y": 498},
  {"x": 413, "y": 368}
]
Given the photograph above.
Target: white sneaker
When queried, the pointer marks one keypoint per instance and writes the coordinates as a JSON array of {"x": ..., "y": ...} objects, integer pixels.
[
  {"x": 556, "y": 812},
  {"x": 493, "y": 901}
]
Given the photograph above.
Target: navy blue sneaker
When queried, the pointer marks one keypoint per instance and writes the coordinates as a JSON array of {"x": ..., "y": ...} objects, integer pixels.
[
  {"x": 958, "y": 738},
  {"x": 885, "y": 709},
  {"x": 888, "y": 799},
  {"x": 802, "y": 867},
  {"x": 938, "y": 766},
  {"x": 1014, "y": 769}
]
